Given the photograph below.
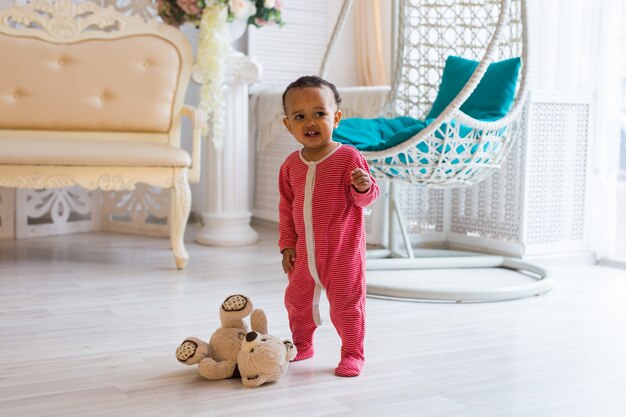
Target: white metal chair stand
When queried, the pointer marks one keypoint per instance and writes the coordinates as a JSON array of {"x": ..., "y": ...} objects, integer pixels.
[{"x": 536, "y": 280}]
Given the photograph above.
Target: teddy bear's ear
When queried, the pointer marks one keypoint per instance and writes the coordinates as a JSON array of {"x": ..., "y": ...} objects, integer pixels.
[
  {"x": 258, "y": 321},
  {"x": 291, "y": 349}
]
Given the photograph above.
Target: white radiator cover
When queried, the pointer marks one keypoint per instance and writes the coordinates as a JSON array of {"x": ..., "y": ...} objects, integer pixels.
[{"x": 537, "y": 204}]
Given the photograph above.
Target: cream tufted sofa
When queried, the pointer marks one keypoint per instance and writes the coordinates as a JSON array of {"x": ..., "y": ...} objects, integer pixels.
[{"x": 93, "y": 98}]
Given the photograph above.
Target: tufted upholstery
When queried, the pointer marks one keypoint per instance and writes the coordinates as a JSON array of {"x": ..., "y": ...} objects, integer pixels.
[{"x": 133, "y": 92}]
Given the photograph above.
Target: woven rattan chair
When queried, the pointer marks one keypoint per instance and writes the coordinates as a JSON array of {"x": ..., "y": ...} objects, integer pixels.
[{"x": 455, "y": 149}]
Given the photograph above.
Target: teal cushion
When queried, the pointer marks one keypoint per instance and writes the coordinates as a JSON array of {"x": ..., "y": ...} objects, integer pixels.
[
  {"x": 380, "y": 134},
  {"x": 377, "y": 134},
  {"x": 492, "y": 98}
]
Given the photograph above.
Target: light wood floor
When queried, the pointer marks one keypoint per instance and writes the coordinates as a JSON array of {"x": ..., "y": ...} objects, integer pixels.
[{"x": 89, "y": 324}]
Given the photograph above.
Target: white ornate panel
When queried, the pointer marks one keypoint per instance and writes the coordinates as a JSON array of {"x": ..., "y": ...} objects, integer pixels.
[
  {"x": 7, "y": 213},
  {"x": 557, "y": 160},
  {"x": 536, "y": 205},
  {"x": 493, "y": 209},
  {"x": 143, "y": 211},
  {"x": 423, "y": 211},
  {"x": 55, "y": 211}
]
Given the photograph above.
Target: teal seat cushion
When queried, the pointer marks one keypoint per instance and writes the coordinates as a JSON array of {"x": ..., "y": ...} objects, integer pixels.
[
  {"x": 380, "y": 134},
  {"x": 492, "y": 98},
  {"x": 377, "y": 134}
]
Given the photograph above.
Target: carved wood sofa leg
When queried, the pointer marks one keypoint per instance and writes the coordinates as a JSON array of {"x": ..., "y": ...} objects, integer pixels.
[{"x": 181, "y": 206}]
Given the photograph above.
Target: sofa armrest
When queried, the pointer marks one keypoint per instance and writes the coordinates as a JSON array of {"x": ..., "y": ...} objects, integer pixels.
[{"x": 197, "y": 121}]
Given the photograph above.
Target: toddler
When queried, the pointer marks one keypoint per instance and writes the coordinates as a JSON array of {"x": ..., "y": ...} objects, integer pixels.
[{"x": 323, "y": 190}]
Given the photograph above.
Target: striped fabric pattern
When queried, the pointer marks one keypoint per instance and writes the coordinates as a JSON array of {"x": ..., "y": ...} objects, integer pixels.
[{"x": 331, "y": 211}]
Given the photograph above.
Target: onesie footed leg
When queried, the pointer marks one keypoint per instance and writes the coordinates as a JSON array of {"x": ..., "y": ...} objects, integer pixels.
[
  {"x": 349, "y": 366},
  {"x": 307, "y": 352},
  {"x": 302, "y": 336},
  {"x": 304, "y": 346}
]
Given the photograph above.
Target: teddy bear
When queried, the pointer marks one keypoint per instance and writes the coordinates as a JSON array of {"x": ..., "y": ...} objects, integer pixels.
[
  {"x": 218, "y": 358},
  {"x": 264, "y": 358}
]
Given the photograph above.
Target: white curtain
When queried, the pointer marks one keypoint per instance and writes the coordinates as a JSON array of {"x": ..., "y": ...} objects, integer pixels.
[
  {"x": 371, "y": 67},
  {"x": 575, "y": 46}
]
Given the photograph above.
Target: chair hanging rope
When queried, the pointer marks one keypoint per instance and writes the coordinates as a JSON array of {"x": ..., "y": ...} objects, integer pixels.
[{"x": 337, "y": 30}]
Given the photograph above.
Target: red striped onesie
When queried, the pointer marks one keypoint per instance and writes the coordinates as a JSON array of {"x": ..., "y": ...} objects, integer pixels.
[{"x": 321, "y": 216}]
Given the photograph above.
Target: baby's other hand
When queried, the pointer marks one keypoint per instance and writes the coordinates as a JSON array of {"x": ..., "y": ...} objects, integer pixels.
[
  {"x": 361, "y": 180},
  {"x": 289, "y": 259}
]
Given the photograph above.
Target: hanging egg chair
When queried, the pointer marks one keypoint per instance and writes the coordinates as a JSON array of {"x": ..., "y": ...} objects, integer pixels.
[{"x": 458, "y": 92}]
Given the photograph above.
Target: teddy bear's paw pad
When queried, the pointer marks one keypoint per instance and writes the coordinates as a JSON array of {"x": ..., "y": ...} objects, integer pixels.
[
  {"x": 349, "y": 366},
  {"x": 235, "y": 303},
  {"x": 186, "y": 350}
]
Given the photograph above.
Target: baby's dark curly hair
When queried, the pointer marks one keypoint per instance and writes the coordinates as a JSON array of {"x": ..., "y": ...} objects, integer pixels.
[{"x": 312, "y": 81}]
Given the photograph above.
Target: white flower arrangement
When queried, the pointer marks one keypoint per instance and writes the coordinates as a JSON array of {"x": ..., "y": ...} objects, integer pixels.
[
  {"x": 213, "y": 49},
  {"x": 213, "y": 17}
]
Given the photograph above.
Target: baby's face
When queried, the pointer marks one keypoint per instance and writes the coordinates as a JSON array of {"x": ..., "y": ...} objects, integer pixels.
[{"x": 311, "y": 115}]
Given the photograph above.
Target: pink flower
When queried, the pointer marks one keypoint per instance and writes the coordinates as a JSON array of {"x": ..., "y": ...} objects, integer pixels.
[
  {"x": 260, "y": 21},
  {"x": 189, "y": 6},
  {"x": 241, "y": 8}
]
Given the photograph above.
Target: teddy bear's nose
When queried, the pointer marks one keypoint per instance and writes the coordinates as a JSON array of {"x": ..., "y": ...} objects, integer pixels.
[{"x": 251, "y": 336}]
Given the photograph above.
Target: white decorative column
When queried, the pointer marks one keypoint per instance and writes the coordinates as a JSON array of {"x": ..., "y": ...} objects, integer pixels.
[{"x": 227, "y": 220}]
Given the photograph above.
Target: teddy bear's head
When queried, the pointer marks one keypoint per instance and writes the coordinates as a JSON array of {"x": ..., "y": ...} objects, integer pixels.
[{"x": 263, "y": 358}]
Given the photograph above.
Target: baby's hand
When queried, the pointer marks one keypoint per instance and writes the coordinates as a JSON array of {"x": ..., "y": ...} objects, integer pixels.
[
  {"x": 289, "y": 258},
  {"x": 361, "y": 180}
]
